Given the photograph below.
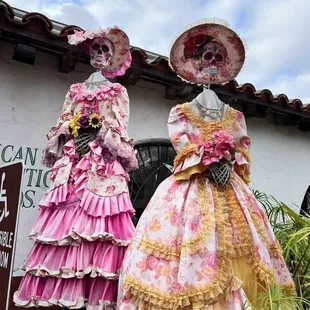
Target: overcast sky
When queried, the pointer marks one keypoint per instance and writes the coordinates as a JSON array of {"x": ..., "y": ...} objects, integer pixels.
[{"x": 277, "y": 32}]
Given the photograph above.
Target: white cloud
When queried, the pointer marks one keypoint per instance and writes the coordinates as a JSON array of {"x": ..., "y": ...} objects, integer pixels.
[{"x": 276, "y": 32}]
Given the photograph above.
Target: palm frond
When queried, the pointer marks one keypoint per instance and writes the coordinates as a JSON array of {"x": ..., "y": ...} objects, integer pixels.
[{"x": 293, "y": 233}]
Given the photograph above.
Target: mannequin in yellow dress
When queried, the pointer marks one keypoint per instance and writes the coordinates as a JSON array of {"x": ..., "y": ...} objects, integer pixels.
[{"x": 203, "y": 241}]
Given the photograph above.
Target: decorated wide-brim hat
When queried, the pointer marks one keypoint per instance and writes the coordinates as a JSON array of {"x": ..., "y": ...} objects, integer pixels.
[
  {"x": 121, "y": 58},
  {"x": 207, "y": 52}
]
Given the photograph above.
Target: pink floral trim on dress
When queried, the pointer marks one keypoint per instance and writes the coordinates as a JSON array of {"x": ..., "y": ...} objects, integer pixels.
[{"x": 78, "y": 93}]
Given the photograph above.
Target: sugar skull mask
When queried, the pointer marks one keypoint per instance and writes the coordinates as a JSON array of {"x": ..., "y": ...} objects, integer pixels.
[
  {"x": 212, "y": 60},
  {"x": 101, "y": 52}
]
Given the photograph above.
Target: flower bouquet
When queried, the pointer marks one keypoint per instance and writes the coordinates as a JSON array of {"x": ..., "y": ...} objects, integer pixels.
[
  {"x": 218, "y": 155},
  {"x": 84, "y": 128}
]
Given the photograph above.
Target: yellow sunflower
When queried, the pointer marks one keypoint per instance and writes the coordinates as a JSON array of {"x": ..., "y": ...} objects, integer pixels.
[
  {"x": 95, "y": 121},
  {"x": 74, "y": 120},
  {"x": 73, "y": 124},
  {"x": 75, "y": 131}
]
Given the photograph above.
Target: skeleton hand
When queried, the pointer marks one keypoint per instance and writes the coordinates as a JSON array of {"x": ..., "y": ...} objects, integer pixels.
[
  {"x": 82, "y": 141},
  {"x": 221, "y": 173}
]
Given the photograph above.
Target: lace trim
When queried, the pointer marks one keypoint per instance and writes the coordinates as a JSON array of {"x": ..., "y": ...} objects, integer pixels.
[
  {"x": 140, "y": 295},
  {"x": 196, "y": 243},
  {"x": 274, "y": 248},
  {"x": 206, "y": 128},
  {"x": 67, "y": 273},
  {"x": 227, "y": 212},
  {"x": 143, "y": 293},
  {"x": 159, "y": 250},
  {"x": 238, "y": 221},
  {"x": 246, "y": 249},
  {"x": 208, "y": 220}
]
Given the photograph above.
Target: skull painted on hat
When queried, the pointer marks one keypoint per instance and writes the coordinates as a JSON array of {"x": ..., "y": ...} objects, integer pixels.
[{"x": 207, "y": 53}]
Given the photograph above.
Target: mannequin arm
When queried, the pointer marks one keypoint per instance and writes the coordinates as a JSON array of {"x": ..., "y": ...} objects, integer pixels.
[
  {"x": 58, "y": 135},
  {"x": 114, "y": 136},
  {"x": 243, "y": 143},
  {"x": 188, "y": 159}
]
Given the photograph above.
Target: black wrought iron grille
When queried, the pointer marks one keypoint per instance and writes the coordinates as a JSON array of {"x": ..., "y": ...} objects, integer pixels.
[{"x": 155, "y": 160}]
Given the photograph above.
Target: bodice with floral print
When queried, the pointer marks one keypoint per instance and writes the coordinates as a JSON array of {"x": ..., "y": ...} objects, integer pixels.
[
  {"x": 199, "y": 245},
  {"x": 111, "y": 102}
]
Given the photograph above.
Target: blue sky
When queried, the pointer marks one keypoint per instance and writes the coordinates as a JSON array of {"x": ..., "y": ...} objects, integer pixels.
[{"x": 276, "y": 31}]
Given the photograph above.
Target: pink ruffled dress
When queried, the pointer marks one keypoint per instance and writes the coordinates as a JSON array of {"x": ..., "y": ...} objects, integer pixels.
[{"x": 84, "y": 225}]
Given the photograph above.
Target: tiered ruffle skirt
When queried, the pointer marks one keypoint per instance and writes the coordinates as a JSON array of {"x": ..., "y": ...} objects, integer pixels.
[{"x": 80, "y": 235}]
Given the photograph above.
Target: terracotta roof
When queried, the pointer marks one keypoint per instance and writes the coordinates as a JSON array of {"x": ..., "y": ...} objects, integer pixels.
[{"x": 35, "y": 27}]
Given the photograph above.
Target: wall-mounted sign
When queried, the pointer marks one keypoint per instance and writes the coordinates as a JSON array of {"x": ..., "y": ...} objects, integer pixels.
[{"x": 10, "y": 187}]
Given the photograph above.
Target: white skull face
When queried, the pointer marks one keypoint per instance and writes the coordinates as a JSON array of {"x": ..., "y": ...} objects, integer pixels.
[
  {"x": 101, "y": 52},
  {"x": 213, "y": 59}
]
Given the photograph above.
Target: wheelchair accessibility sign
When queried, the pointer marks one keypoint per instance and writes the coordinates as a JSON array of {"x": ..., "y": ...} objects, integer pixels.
[
  {"x": 3, "y": 199},
  {"x": 10, "y": 186}
]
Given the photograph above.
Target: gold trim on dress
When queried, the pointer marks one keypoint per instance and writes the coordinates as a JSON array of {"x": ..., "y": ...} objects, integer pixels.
[
  {"x": 142, "y": 293},
  {"x": 187, "y": 174},
  {"x": 206, "y": 128},
  {"x": 245, "y": 248},
  {"x": 227, "y": 212},
  {"x": 222, "y": 217},
  {"x": 183, "y": 153},
  {"x": 196, "y": 243}
]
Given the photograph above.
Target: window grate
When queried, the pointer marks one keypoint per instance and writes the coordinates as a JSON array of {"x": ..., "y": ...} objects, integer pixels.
[{"x": 155, "y": 164}]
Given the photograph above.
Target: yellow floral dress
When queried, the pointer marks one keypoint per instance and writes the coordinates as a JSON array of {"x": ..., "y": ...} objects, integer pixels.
[{"x": 198, "y": 245}]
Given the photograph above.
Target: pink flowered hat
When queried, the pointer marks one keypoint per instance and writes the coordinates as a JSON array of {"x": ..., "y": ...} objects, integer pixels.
[
  {"x": 207, "y": 52},
  {"x": 121, "y": 58}
]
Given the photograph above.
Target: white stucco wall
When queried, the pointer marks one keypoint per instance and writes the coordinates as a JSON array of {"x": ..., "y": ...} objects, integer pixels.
[
  {"x": 30, "y": 103},
  {"x": 280, "y": 157}
]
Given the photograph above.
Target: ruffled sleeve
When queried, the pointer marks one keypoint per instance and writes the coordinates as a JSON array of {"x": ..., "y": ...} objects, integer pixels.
[
  {"x": 58, "y": 135},
  {"x": 243, "y": 143},
  {"x": 114, "y": 135},
  {"x": 189, "y": 155}
]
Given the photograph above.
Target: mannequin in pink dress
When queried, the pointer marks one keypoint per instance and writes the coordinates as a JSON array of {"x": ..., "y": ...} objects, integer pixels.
[{"x": 84, "y": 225}]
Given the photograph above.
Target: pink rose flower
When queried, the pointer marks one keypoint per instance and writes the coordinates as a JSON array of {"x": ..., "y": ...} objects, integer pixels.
[
  {"x": 223, "y": 136},
  {"x": 209, "y": 158},
  {"x": 221, "y": 146},
  {"x": 223, "y": 149},
  {"x": 151, "y": 262},
  {"x": 208, "y": 146}
]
